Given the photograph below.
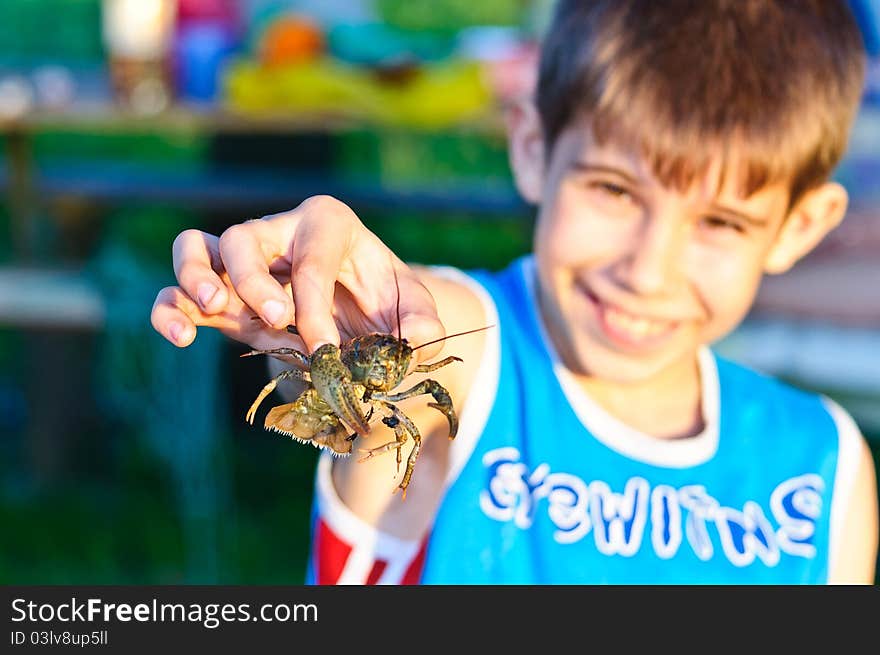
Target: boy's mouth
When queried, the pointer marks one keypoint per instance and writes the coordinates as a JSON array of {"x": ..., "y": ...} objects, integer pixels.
[{"x": 629, "y": 330}]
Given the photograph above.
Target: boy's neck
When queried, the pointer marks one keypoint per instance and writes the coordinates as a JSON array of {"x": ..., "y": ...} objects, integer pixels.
[{"x": 671, "y": 410}]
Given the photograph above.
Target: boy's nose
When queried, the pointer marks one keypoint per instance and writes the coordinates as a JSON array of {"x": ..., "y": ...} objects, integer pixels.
[{"x": 653, "y": 260}]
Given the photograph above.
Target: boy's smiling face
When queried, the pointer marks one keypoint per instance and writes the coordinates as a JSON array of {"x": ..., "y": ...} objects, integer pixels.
[{"x": 635, "y": 276}]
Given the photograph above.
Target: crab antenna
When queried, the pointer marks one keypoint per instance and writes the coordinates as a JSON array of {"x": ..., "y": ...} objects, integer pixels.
[
  {"x": 397, "y": 310},
  {"x": 397, "y": 306},
  {"x": 457, "y": 334}
]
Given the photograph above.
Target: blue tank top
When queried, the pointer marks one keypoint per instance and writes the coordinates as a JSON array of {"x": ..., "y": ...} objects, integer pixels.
[{"x": 547, "y": 488}]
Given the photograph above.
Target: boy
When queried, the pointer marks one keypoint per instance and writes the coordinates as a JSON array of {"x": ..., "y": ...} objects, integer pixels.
[{"x": 677, "y": 151}]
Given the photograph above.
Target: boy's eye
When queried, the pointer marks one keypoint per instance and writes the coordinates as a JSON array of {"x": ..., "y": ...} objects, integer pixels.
[
  {"x": 612, "y": 190},
  {"x": 719, "y": 223}
]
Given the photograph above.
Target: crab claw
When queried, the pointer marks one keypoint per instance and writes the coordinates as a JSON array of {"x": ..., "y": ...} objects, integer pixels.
[{"x": 332, "y": 380}]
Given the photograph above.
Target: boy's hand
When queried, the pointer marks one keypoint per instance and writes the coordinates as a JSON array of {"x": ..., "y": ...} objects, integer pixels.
[{"x": 339, "y": 272}]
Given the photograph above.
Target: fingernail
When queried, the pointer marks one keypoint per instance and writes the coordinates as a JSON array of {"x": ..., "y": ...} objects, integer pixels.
[
  {"x": 206, "y": 294},
  {"x": 273, "y": 311},
  {"x": 175, "y": 330},
  {"x": 319, "y": 343}
]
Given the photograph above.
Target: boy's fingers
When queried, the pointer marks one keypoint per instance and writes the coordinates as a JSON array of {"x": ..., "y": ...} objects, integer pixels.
[
  {"x": 317, "y": 256},
  {"x": 196, "y": 257},
  {"x": 418, "y": 330},
  {"x": 330, "y": 245},
  {"x": 241, "y": 250},
  {"x": 174, "y": 316}
]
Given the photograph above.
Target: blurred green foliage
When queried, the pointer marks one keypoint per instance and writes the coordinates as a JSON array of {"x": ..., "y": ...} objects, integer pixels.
[
  {"x": 5, "y": 230},
  {"x": 164, "y": 150},
  {"x": 37, "y": 30},
  {"x": 123, "y": 526},
  {"x": 402, "y": 158},
  {"x": 455, "y": 240},
  {"x": 450, "y": 15}
]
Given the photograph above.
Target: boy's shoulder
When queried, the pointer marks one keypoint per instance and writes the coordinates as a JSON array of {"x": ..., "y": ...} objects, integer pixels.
[
  {"x": 469, "y": 276},
  {"x": 765, "y": 399},
  {"x": 467, "y": 296},
  {"x": 756, "y": 383}
]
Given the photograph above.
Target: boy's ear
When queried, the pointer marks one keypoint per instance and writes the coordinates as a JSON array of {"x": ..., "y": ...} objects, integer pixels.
[
  {"x": 818, "y": 212},
  {"x": 526, "y": 149}
]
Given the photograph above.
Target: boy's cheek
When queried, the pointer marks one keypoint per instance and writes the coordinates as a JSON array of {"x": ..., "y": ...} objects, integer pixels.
[
  {"x": 579, "y": 239},
  {"x": 727, "y": 306}
]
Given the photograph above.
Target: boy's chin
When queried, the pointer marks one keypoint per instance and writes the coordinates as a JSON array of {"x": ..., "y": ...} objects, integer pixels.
[{"x": 628, "y": 369}]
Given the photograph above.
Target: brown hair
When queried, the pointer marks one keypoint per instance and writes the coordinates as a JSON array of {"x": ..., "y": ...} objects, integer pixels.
[{"x": 682, "y": 78}]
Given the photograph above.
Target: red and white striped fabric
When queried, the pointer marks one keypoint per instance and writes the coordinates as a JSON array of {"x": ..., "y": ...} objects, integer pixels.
[{"x": 346, "y": 550}]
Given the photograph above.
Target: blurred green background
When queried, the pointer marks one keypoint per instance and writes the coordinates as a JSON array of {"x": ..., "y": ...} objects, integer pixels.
[{"x": 126, "y": 460}]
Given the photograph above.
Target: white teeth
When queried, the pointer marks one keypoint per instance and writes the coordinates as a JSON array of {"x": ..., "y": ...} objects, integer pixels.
[{"x": 636, "y": 327}]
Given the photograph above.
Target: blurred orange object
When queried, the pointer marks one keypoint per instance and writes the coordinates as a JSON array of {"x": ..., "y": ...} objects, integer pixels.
[{"x": 289, "y": 39}]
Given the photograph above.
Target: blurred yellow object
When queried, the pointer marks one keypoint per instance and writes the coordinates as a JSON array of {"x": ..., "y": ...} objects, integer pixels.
[
  {"x": 290, "y": 39},
  {"x": 431, "y": 97},
  {"x": 440, "y": 95}
]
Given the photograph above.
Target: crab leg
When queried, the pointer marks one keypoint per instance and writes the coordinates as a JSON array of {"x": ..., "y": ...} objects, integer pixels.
[
  {"x": 301, "y": 358},
  {"x": 427, "y": 368},
  {"x": 270, "y": 387},
  {"x": 402, "y": 426},
  {"x": 443, "y": 402}
]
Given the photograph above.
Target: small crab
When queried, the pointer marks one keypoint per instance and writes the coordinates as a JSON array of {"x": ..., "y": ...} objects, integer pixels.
[{"x": 340, "y": 380}]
